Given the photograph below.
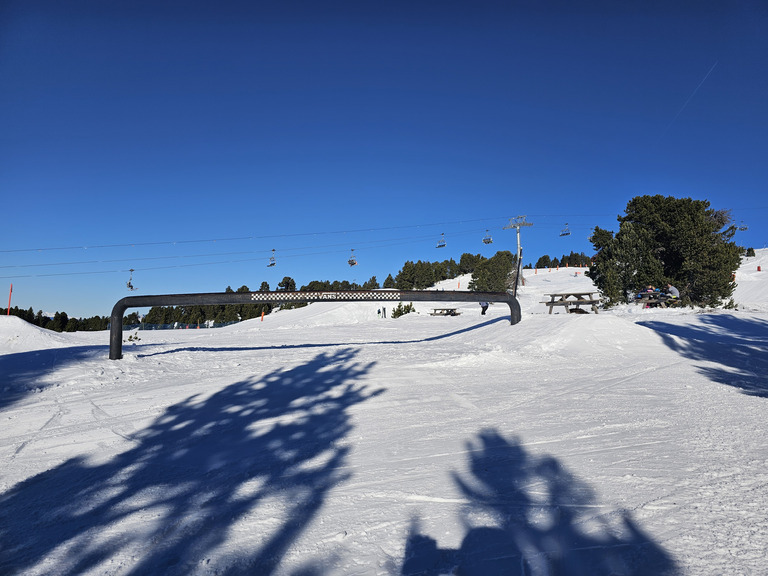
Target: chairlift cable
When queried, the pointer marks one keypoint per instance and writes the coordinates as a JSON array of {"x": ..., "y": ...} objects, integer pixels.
[
  {"x": 240, "y": 238},
  {"x": 374, "y": 245}
]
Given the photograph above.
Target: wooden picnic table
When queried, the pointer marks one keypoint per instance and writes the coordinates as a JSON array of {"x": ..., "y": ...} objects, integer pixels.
[
  {"x": 656, "y": 299},
  {"x": 573, "y": 301},
  {"x": 444, "y": 312}
]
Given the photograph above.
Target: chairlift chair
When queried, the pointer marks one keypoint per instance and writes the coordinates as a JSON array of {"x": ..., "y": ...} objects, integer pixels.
[
  {"x": 352, "y": 260},
  {"x": 441, "y": 242},
  {"x": 272, "y": 259},
  {"x": 129, "y": 284},
  {"x": 565, "y": 231},
  {"x": 487, "y": 239},
  {"x": 743, "y": 227}
]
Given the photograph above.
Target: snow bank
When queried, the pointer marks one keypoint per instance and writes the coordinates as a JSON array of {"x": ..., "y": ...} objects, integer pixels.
[{"x": 16, "y": 335}]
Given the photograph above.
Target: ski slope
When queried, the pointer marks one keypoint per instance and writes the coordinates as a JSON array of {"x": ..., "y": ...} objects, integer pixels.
[{"x": 327, "y": 440}]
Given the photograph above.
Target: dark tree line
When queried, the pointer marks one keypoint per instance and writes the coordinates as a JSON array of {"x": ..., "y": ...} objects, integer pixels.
[
  {"x": 218, "y": 314},
  {"x": 571, "y": 259},
  {"x": 491, "y": 275},
  {"x": 60, "y": 322},
  {"x": 420, "y": 275}
]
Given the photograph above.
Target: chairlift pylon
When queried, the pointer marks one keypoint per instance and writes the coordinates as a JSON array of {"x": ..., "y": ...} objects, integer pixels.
[
  {"x": 129, "y": 284},
  {"x": 565, "y": 231},
  {"x": 352, "y": 260},
  {"x": 272, "y": 259},
  {"x": 441, "y": 242},
  {"x": 487, "y": 239}
]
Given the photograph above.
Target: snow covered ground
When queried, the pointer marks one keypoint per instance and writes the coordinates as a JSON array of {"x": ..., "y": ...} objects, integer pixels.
[{"x": 326, "y": 440}]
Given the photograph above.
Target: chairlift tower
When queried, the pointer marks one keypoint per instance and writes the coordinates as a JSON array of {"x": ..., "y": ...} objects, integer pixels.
[{"x": 518, "y": 223}]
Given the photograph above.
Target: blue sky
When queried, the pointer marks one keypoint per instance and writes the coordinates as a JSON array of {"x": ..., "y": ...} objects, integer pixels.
[{"x": 186, "y": 140}]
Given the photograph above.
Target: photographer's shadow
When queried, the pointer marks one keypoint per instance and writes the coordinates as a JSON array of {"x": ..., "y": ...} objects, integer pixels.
[{"x": 544, "y": 524}]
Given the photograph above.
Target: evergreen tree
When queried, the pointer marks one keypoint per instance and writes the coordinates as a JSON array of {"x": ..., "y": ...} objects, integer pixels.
[
  {"x": 131, "y": 319},
  {"x": 59, "y": 322},
  {"x": 389, "y": 282},
  {"x": 493, "y": 275},
  {"x": 229, "y": 315},
  {"x": 423, "y": 275},
  {"x": 317, "y": 286},
  {"x": 401, "y": 309},
  {"x": 371, "y": 284},
  {"x": 287, "y": 284},
  {"x": 406, "y": 278},
  {"x": 451, "y": 268},
  {"x": 666, "y": 239},
  {"x": 468, "y": 262}
]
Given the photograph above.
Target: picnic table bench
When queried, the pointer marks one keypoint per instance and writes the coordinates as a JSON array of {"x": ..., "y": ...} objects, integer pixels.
[
  {"x": 656, "y": 299},
  {"x": 573, "y": 301},
  {"x": 444, "y": 312}
]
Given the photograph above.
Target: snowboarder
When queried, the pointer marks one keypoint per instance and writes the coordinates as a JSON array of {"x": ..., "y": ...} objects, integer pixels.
[{"x": 483, "y": 308}]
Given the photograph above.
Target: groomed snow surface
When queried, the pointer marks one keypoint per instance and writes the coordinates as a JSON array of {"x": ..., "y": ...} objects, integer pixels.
[{"x": 327, "y": 440}]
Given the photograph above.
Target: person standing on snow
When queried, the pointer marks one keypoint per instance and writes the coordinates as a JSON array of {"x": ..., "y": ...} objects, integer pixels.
[{"x": 483, "y": 308}]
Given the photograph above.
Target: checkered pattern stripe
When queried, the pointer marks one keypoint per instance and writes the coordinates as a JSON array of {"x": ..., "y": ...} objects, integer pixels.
[{"x": 324, "y": 296}]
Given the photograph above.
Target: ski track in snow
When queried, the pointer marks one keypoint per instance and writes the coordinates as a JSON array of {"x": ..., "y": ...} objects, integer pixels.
[{"x": 325, "y": 440}]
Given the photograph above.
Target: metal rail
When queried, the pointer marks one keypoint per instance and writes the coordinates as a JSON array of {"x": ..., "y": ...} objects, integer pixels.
[{"x": 215, "y": 298}]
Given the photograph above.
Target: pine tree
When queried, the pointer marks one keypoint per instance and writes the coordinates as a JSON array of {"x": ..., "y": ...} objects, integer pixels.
[
  {"x": 492, "y": 275},
  {"x": 468, "y": 262},
  {"x": 371, "y": 284},
  {"x": 59, "y": 322},
  {"x": 667, "y": 240},
  {"x": 287, "y": 284},
  {"x": 406, "y": 278}
]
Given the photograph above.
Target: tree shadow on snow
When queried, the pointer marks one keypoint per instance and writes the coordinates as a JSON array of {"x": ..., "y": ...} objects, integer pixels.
[
  {"x": 264, "y": 452},
  {"x": 535, "y": 518},
  {"x": 23, "y": 372},
  {"x": 739, "y": 345}
]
